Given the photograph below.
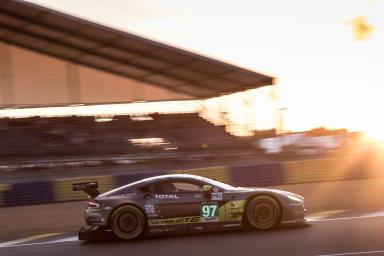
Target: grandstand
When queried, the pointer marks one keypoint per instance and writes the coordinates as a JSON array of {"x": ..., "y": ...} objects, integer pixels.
[
  {"x": 27, "y": 138},
  {"x": 51, "y": 59}
]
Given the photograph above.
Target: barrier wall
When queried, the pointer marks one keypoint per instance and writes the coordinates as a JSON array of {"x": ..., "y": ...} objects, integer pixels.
[
  {"x": 29, "y": 193},
  {"x": 123, "y": 179},
  {"x": 220, "y": 173},
  {"x": 288, "y": 172},
  {"x": 314, "y": 170},
  {"x": 257, "y": 175},
  {"x": 3, "y": 187}
]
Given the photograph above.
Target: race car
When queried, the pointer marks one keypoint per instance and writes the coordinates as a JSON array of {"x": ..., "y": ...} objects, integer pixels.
[{"x": 179, "y": 203}]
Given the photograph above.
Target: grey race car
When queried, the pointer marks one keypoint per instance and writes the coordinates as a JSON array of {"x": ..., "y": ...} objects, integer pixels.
[{"x": 180, "y": 203}]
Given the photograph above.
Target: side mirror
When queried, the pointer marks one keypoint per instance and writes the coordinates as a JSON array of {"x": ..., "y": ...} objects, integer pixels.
[{"x": 207, "y": 188}]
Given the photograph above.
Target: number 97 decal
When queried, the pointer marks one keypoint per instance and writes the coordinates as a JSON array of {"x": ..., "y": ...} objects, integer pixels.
[{"x": 209, "y": 212}]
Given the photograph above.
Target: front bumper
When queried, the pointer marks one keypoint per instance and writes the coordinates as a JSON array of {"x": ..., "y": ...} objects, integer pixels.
[{"x": 294, "y": 213}]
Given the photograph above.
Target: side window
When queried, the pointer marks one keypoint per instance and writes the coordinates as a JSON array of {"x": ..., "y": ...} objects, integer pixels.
[
  {"x": 146, "y": 189},
  {"x": 165, "y": 187},
  {"x": 177, "y": 186},
  {"x": 182, "y": 186}
]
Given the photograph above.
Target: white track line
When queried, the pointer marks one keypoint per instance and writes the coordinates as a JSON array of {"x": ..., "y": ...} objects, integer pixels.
[
  {"x": 66, "y": 239},
  {"x": 375, "y": 214},
  {"x": 325, "y": 214},
  {"x": 346, "y": 218},
  {"x": 27, "y": 239},
  {"x": 352, "y": 253},
  {"x": 62, "y": 240}
]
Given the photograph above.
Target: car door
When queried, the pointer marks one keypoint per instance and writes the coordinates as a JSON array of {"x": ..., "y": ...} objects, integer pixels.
[
  {"x": 151, "y": 203},
  {"x": 185, "y": 202},
  {"x": 179, "y": 200}
]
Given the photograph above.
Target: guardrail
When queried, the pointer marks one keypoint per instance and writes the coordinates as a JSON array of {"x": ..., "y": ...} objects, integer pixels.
[{"x": 269, "y": 174}]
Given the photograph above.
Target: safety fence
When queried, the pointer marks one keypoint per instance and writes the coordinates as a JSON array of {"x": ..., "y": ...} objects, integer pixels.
[{"x": 268, "y": 174}]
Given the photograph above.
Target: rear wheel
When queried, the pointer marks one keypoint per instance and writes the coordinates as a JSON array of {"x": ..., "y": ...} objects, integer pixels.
[
  {"x": 128, "y": 222},
  {"x": 263, "y": 213}
]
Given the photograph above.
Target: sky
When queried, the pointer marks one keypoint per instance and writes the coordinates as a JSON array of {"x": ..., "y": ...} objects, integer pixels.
[{"x": 325, "y": 76}]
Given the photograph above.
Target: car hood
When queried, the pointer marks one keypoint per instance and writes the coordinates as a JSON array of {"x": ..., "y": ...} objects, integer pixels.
[{"x": 269, "y": 190}]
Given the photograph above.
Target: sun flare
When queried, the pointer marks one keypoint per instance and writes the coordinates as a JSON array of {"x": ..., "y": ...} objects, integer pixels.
[{"x": 375, "y": 135}]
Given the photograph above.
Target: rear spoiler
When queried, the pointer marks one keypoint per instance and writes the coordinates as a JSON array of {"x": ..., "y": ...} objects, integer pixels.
[{"x": 88, "y": 187}]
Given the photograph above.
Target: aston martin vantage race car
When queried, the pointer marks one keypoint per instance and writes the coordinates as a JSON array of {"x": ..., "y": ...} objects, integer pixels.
[{"x": 179, "y": 203}]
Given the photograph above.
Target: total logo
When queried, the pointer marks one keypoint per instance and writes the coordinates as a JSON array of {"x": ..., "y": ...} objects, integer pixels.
[{"x": 166, "y": 196}]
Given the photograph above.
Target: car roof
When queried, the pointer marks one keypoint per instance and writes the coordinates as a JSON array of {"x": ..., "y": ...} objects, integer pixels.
[
  {"x": 141, "y": 182},
  {"x": 169, "y": 176}
]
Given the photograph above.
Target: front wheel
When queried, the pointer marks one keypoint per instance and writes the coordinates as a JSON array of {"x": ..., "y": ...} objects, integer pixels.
[
  {"x": 128, "y": 222},
  {"x": 263, "y": 213}
]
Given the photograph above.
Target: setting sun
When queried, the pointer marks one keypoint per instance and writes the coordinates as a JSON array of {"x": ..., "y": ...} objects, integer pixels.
[{"x": 376, "y": 135}]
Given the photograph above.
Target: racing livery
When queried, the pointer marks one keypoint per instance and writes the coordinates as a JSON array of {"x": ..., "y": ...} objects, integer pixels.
[{"x": 179, "y": 203}]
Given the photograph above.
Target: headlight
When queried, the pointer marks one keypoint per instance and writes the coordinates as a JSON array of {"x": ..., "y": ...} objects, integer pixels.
[{"x": 294, "y": 198}]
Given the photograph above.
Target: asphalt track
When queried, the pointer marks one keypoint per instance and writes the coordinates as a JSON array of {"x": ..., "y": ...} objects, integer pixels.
[{"x": 348, "y": 234}]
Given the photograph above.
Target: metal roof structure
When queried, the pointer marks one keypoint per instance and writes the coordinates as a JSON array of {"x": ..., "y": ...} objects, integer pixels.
[{"x": 66, "y": 37}]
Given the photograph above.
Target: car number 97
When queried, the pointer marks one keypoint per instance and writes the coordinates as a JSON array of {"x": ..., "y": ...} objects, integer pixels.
[{"x": 209, "y": 211}]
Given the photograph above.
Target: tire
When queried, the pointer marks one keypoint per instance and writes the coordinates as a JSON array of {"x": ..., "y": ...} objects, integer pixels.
[
  {"x": 263, "y": 213},
  {"x": 128, "y": 222}
]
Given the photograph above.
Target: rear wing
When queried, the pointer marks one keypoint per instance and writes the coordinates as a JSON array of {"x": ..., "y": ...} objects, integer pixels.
[{"x": 88, "y": 187}]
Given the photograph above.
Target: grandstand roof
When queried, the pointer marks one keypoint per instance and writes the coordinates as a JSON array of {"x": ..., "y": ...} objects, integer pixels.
[{"x": 50, "y": 32}]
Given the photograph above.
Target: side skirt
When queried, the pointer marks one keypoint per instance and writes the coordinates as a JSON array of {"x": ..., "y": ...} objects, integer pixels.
[{"x": 192, "y": 228}]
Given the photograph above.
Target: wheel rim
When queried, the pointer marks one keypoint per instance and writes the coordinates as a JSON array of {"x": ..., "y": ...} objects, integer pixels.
[
  {"x": 128, "y": 223},
  {"x": 264, "y": 214}
]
